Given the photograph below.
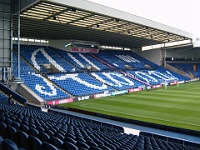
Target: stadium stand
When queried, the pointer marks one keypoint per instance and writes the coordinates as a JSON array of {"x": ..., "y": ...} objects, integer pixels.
[
  {"x": 116, "y": 80},
  {"x": 3, "y": 98},
  {"x": 38, "y": 55},
  {"x": 134, "y": 60},
  {"x": 89, "y": 82},
  {"x": 188, "y": 68},
  {"x": 37, "y": 83},
  {"x": 79, "y": 84},
  {"x": 156, "y": 76},
  {"x": 81, "y": 60},
  {"x": 56, "y": 75},
  {"x": 33, "y": 129},
  {"x": 112, "y": 60}
]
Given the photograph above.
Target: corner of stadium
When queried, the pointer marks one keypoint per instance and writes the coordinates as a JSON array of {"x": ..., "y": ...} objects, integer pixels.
[{"x": 76, "y": 75}]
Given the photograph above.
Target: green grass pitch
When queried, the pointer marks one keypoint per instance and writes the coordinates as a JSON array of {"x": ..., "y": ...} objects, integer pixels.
[{"x": 175, "y": 106}]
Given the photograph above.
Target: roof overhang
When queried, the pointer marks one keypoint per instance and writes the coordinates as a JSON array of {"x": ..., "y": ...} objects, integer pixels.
[{"x": 83, "y": 20}]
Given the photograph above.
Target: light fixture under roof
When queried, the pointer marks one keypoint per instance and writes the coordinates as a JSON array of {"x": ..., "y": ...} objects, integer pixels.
[
  {"x": 73, "y": 9},
  {"x": 117, "y": 20},
  {"x": 54, "y": 18}
]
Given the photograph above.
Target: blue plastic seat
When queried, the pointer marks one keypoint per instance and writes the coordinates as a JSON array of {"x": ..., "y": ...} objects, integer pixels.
[
  {"x": 16, "y": 125},
  {"x": 80, "y": 139},
  {"x": 12, "y": 134},
  {"x": 3, "y": 129},
  {"x": 40, "y": 129},
  {"x": 24, "y": 128},
  {"x": 35, "y": 143},
  {"x": 48, "y": 146},
  {"x": 82, "y": 144},
  {"x": 99, "y": 142},
  {"x": 7, "y": 144},
  {"x": 95, "y": 148},
  {"x": 2, "y": 118},
  {"x": 1, "y": 140},
  {"x": 69, "y": 139},
  {"x": 24, "y": 140},
  {"x": 34, "y": 132},
  {"x": 8, "y": 121},
  {"x": 44, "y": 137},
  {"x": 92, "y": 143},
  {"x": 106, "y": 147},
  {"x": 67, "y": 145},
  {"x": 57, "y": 142},
  {"x": 50, "y": 133},
  {"x": 32, "y": 125},
  {"x": 60, "y": 136}
]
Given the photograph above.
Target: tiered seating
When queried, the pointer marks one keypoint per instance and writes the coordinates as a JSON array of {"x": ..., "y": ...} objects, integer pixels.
[
  {"x": 37, "y": 83},
  {"x": 116, "y": 80},
  {"x": 180, "y": 77},
  {"x": 34, "y": 129},
  {"x": 134, "y": 60},
  {"x": 156, "y": 76},
  {"x": 79, "y": 84},
  {"x": 112, "y": 60},
  {"x": 145, "y": 76},
  {"x": 80, "y": 60},
  {"x": 143, "y": 60},
  {"x": 37, "y": 55},
  {"x": 3, "y": 98},
  {"x": 187, "y": 68}
]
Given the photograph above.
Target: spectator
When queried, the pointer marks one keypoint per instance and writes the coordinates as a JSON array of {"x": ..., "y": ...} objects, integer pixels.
[
  {"x": 10, "y": 99},
  {"x": 45, "y": 104}
]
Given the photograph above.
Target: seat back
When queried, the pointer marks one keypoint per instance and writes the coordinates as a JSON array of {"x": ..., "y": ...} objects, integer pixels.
[
  {"x": 44, "y": 137},
  {"x": 9, "y": 145},
  {"x": 12, "y": 134},
  {"x": 57, "y": 142},
  {"x": 25, "y": 128},
  {"x": 24, "y": 140},
  {"x": 48, "y": 146},
  {"x": 3, "y": 129},
  {"x": 36, "y": 144},
  {"x": 34, "y": 132},
  {"x": 70, "y": 146},
  {"x": 16, "y": 125},
  {"x": 1, "y": 140},
  {"x": 82, "y": 145}
]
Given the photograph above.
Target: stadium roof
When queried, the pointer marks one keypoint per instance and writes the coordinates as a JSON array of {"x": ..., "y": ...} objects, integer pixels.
[{"x": 83, "y": 20}]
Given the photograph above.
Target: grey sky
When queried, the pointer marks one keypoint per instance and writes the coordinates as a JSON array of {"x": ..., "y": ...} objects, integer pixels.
[{"x": 181, "y": 14}]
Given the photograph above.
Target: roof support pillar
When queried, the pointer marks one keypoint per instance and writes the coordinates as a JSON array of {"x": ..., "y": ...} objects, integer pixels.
[{"x": 18, "y": 59}]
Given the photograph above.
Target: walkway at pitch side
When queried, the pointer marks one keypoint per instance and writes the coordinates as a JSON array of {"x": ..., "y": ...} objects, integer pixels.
[{"x": 135, "y": 129}]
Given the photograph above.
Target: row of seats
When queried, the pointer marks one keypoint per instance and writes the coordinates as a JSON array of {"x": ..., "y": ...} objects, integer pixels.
[
  {"x": 38, "y": 55},
  {"x": 32, "y": 129},
  {"x": 159, "y": 76},
  {"x": 188, "y": 68},
  {"x": 32, "y": 144},
  {"x": 81, "y": 60},
  {"x": 125, "y": 60},
  {"x": 3, "y": 98},
  {"x": 135, "y": 61},
  {"x": 138, "y": 62},
  {"x": 79, "y": 84},
  {"x": 37, "y": 83},
  {"x": 112, "y": 60},
  {"x": 116, "y": 80}
]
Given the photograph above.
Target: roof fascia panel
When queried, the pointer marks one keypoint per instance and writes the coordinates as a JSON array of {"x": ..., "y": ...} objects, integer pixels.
[{"x": 104, "y": 10}]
